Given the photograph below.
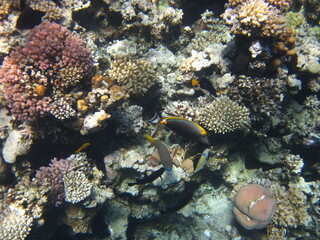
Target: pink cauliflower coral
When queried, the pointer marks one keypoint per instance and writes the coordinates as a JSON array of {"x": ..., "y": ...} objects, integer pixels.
[{"x": 31, "y": 72}]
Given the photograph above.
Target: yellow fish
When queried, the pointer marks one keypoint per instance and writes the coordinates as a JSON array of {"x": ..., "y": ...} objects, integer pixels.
[{"x": 84, "y": 146}]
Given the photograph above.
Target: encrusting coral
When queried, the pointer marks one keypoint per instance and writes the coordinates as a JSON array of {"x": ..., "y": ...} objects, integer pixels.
[{"x": 224, "y": 115}]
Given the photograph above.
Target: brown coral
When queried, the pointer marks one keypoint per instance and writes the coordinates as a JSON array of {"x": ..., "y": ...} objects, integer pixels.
[
  {"x": 292, "y": 206},
  {"x": 256, "y": 18},
  {"x": 137, "y": 75}
]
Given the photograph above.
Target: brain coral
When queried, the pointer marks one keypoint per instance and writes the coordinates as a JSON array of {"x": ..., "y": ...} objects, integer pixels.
[
  {"x": 137, "y": 75},
  {"x": 35, "y": 71},
  {"x": 254, "y": 208},
  {"x": 223, "y": 115}
]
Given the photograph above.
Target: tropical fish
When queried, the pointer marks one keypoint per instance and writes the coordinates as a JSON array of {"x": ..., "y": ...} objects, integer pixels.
[
  {"x": 150, "y": 178},
  {"x": 164, "y": 153},
  {"x": 186, "y": 128},
  {"x": 202, "y": 160},
  {"x": 84, "y": 146},
  {"x": 205, "y": 84},
  {"x": 155, "y": 119}
]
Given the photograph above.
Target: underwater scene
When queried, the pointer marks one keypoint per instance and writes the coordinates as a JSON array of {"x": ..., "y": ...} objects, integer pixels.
[{"x": 160, "y": 119}]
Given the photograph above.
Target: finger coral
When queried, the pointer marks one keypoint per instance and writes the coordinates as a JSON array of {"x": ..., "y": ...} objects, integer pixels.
[
  {"x": 256, "y": 18},
  {"x": 34, "y": 72},
  {"x": 16, "y": 224},
  {"x": 223, "y": 115},
  {"x": 76, "y": 186},
  {"x": 137, "y": 75},
  {"x": 254, "y": 208}
]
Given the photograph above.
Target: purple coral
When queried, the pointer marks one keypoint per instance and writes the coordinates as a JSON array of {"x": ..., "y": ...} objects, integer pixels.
[
  {"x": 52, "y": 178},
  {"x": 31, "y": 72}
]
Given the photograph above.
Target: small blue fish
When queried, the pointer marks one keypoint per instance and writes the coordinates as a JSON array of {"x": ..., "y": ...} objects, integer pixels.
[{"x": 203, "y": 160}]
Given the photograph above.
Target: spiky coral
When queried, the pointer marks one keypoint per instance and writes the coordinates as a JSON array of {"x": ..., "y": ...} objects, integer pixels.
[{"x": 224, "y": 115}]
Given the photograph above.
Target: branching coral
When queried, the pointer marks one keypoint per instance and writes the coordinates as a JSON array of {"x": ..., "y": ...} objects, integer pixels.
[
  {"x": 224, "y": 115},
  {"x": 58, "y": 10},
  {"x": 15, "y": 224},
  {"x": 76, "y": 186},
  {"x": 137, "y": 75},
  {"x": 52, "y": 178},
  {"x": 261, "y": 95},
  {"x": 256, "y": 18},
  {"x": 28, "y": 73},
  {"x": 292, "y": 206}
]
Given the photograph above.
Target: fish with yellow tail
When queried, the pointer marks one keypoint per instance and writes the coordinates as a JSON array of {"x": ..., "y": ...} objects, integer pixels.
[
  {"x": 202, "y": 160},
  {"x": 164, "y": 153},
  {"x": 186, "y": 128}
]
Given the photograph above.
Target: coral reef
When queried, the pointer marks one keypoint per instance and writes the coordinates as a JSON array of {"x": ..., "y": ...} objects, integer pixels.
[{"x": 82, "y": 83}]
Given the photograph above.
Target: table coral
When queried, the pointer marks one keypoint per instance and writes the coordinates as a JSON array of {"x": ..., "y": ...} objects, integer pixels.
[{"x": 29, "y": 72}]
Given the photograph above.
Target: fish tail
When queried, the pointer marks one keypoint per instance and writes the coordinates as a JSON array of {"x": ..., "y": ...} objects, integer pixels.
[{"x": 149, "y": 138}]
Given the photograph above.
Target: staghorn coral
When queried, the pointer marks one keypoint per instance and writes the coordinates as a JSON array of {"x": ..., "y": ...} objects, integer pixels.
[
  {"x": 137, "y": 75},
  {"x": 29, "y": 72},
  {"x": 256, "y": 18},
  {"x": 224, "y": 115}
]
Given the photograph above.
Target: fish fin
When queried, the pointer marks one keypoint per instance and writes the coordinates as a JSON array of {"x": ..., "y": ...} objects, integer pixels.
[{"x": 194, "y": 82}]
